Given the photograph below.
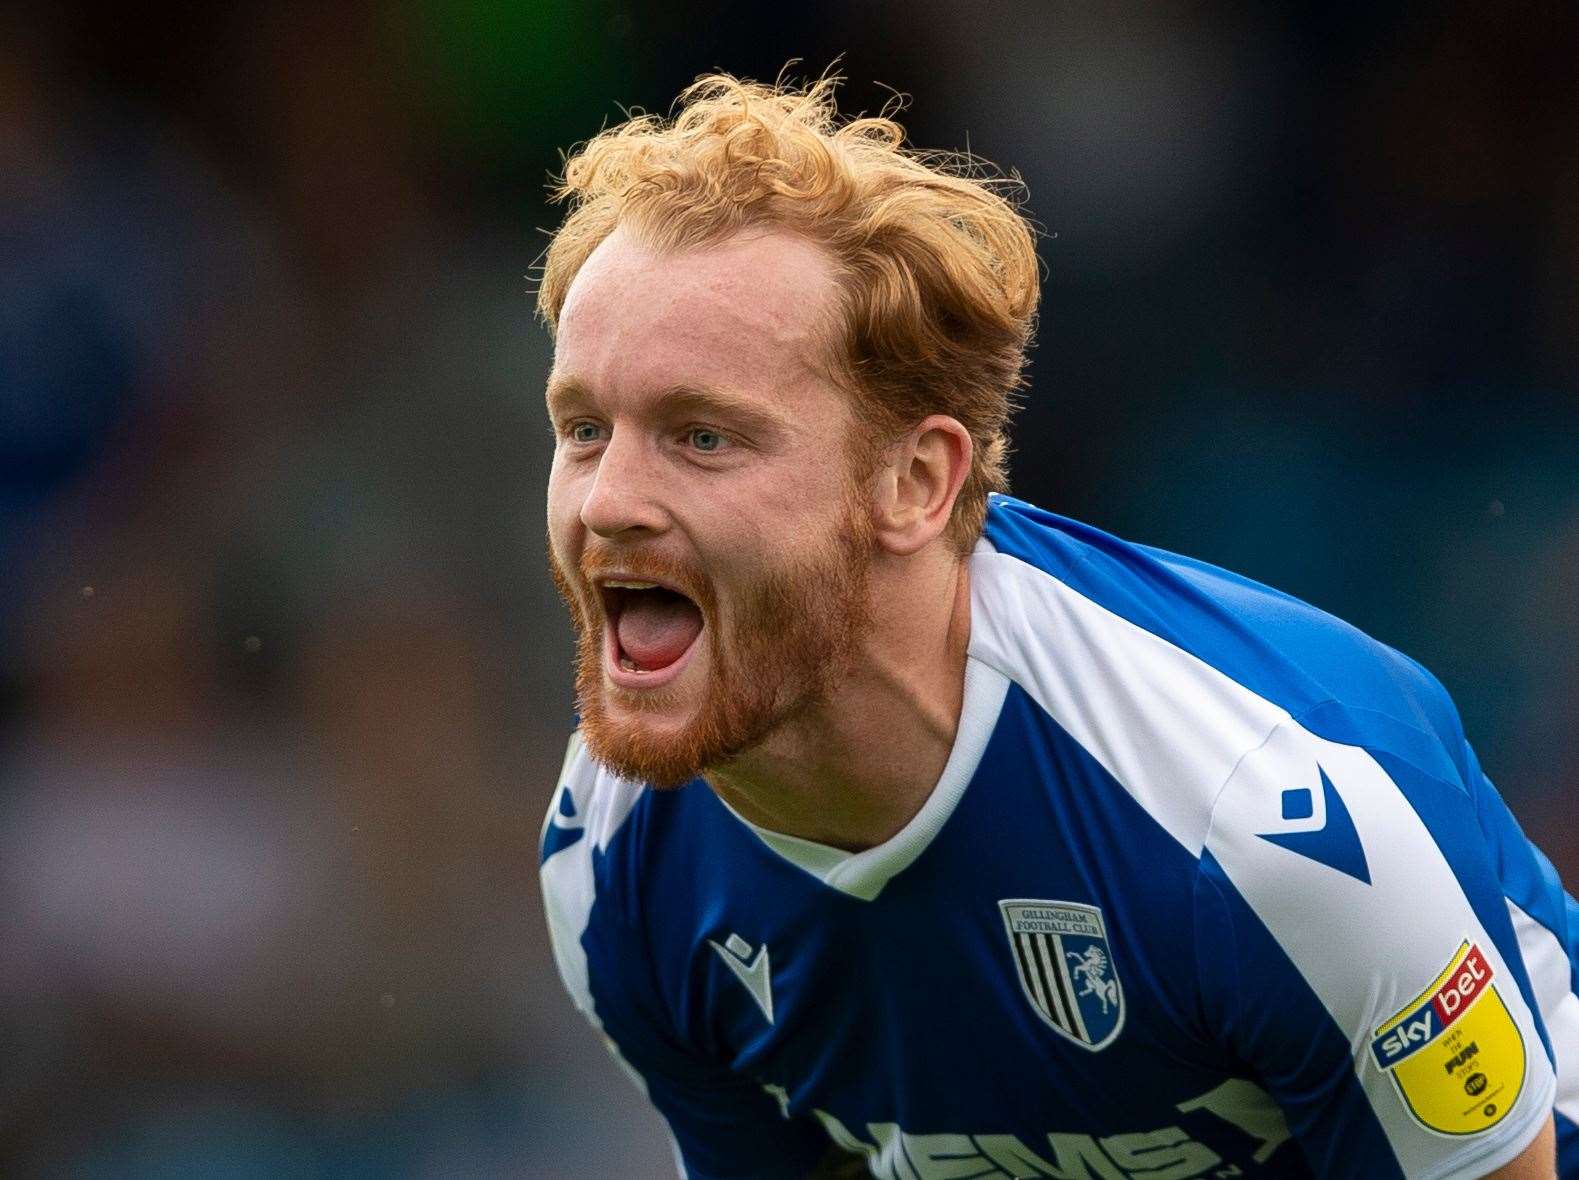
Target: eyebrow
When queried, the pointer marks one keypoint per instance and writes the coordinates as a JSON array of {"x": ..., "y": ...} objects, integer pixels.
[
  {"x": 702, "y": 399},
  {"x": 564, "y": 389}
]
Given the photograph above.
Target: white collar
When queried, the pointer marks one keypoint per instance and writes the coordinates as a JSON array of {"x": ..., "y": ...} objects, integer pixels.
[{"x": 863, "y": 874}]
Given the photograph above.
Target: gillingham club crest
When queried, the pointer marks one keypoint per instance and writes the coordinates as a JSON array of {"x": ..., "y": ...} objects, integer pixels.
[{"x": 1066, "y": 968}]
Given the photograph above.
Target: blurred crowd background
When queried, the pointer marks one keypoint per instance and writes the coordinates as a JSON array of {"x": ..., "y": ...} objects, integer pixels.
[{"x": 283, "y": 684}]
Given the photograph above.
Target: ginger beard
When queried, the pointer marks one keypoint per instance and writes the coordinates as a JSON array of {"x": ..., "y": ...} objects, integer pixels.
[{"x": 789, "y": 639}]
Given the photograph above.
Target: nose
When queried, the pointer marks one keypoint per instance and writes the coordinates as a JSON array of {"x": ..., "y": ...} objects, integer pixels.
[{"x": 624, "y": 493}]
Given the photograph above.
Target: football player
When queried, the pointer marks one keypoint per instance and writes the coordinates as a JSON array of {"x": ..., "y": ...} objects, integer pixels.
[{"x": 915, "y": 831}]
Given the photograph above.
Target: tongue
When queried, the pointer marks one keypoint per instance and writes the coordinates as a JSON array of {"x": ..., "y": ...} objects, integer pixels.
[{"x": 655, "y": 628}]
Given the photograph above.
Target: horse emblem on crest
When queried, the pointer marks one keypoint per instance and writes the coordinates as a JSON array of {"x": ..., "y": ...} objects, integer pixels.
[{"x": 1065, "y": 964}]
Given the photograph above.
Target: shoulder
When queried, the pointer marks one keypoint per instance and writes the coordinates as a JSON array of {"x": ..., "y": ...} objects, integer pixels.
[
  {"x": 1178, "y": 677},
  {"x": 588, "y": 802},
  {"x": 1320, "y": 779},
  {"x": 1263, "y": 655},
  {"x": 589, "y": 810}
]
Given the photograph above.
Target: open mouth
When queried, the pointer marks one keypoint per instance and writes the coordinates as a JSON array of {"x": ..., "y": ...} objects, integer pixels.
[{"x": 652, "y": 630}]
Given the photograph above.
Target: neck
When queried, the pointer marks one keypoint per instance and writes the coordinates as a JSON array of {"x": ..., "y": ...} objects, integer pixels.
[{"x": 851, "y": 771}]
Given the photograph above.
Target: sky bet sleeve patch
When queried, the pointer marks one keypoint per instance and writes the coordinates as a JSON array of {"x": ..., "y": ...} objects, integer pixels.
[{"x": 1454, "y": 1052}]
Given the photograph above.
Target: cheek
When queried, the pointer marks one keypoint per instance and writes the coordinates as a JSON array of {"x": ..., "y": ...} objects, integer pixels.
[
  {"x": 741, "y": 538},
  {"x": 798, "y": 513},
  {"x": 564, "y": 510},
  {"x": 564, "y": 489},
  {"x": 795, "y": 498}
]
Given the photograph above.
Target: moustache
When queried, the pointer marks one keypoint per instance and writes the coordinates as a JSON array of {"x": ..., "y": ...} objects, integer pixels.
[{"x": 673, "y": 573}]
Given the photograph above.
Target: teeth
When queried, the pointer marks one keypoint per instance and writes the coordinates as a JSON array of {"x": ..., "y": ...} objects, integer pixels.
[
  {"x": 633, "y": 585},
  {"x": 629, "y": 665}
]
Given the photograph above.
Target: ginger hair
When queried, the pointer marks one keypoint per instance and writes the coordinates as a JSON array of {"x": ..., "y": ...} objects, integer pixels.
[{"x": 936, "y": 265}]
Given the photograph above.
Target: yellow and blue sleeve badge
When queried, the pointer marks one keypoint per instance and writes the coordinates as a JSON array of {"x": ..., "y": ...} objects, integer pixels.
[{"x": 1455, "y": 1052}]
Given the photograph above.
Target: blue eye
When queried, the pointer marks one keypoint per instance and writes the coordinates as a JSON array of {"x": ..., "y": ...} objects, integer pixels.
[
  {"x": 706, "y": 440},
  {"x": 585, "y": 432}
]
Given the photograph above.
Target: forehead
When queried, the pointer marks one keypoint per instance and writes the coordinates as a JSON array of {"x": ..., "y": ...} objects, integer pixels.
[{"x": 745, "y": 313}]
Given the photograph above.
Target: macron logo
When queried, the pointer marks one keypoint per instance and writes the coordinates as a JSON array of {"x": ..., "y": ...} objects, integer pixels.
[
  {"x": 734, "y": 951},
  {"x": 565, "y": 825},
  {"x": 1326, "y": 835}
]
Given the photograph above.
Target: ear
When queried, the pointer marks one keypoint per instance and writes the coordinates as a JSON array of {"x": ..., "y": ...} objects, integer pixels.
[{"x": 917, "y": 486}]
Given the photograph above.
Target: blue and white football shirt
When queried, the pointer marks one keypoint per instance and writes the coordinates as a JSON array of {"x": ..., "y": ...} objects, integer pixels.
[{"x": 1212, "y": 885}]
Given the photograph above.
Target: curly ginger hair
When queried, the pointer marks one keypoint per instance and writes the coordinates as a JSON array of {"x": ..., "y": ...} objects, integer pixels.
[{"x": 936, "y": 265}]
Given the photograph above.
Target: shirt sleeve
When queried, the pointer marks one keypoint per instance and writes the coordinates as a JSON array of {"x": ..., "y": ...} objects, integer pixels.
[
  {"x": 724, "y": 1126},
  {"x": 1546, "y": 923},
  {"x": 1356, "y": 953}
]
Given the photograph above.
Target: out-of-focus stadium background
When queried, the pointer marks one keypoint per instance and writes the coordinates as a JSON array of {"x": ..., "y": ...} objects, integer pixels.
[{"x": 283, "y": 685}]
